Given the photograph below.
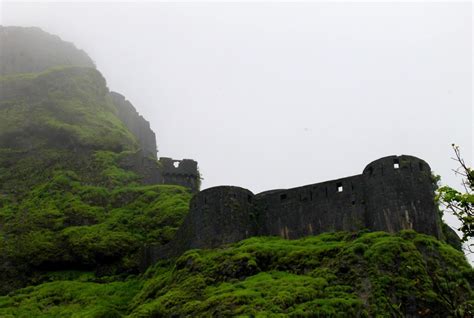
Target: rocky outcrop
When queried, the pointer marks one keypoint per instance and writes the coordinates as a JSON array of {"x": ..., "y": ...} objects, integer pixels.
[
  {"x": 31, "y": 50},
  {"x": 147, "y": 168},
  {"x": 139, "y": 127}
]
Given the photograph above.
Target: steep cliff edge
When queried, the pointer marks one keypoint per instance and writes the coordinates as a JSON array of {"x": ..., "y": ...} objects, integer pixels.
[
  {"x": 32, "y": 51},
  {"x": 68, "y": 199},
  {"x": 139, "y": 127}
]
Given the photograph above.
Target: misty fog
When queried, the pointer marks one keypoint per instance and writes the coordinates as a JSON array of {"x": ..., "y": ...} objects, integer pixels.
[{"x": 278, "y": 95}]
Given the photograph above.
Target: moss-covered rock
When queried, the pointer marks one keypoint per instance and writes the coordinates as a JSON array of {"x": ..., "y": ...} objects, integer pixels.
[
  {"x": 330, "y": 275},
  {"x": 68, "y": 223},
  {"x": 339, "y": 274}
]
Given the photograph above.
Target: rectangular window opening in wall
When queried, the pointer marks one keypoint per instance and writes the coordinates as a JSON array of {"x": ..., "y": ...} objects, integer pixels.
[
  {"x": 421, "y": 166},
  {"x": 283, "y": 197},
  {"x": 396, "y": 163},
  {"x": 339, "y": 187}
]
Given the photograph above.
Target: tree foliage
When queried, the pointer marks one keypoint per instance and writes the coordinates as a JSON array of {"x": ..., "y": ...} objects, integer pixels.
[{"x": 461, "y": 203}]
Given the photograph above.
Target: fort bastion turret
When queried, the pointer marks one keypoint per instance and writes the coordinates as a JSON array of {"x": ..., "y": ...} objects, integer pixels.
[{"x": 393, "y": 193}]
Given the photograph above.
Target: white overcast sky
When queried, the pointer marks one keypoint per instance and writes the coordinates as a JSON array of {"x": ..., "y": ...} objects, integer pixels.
[{"x": 278, "y": 95}]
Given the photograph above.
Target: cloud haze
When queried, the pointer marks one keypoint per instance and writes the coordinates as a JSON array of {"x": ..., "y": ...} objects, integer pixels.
[{"x": 279, "y": 95}]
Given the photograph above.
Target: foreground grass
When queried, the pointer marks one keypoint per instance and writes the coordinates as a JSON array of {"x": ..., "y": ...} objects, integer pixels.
[
  {"x": 69, "y": 223},
  {"x": 329, "y": 275}
]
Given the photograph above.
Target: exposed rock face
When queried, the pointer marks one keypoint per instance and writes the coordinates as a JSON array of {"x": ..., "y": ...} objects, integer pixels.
[
  {"x": 136, "y": 124},
  {"x": 148, "y": 168},
  {"x": 31, "y": 50},
  {"x": 392, "y": 194}
]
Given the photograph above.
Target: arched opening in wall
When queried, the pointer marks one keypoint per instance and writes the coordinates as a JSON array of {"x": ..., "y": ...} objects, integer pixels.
[
  {"x": 339, "y": 187},
  {"x": 283, "y": 197},
  {"x": 396, "y": 163},
  {"x": 176, "y": 164}
]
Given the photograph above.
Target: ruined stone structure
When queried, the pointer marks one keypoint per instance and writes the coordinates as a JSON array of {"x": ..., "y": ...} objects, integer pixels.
[
  {"x": 163, "y": 171},
  {"x": 392, "y": 194},
  {"x": 181, "y": 172},
  {"x": 166, "y": 170}
]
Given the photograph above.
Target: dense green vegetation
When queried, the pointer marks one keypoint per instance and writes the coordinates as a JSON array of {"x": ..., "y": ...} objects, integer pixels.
[
  {"x": 74, "y": 222},
  {"x": 69, "y": 224},
  {"x": 461, "y": 204},
  {"x": 65, "y": 107},
  {"x": 333, "y": 274},
  {"x": 65, "y": 201},
  {"x": 56, "y": 120}
]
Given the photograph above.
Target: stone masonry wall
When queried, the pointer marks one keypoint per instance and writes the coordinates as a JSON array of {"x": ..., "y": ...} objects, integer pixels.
[
  {"x": 392, "y": 194},
  {"x": 181, "y": 172}
]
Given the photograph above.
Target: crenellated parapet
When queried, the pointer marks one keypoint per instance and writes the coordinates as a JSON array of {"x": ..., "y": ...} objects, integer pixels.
[{"x": 393, "y": 193}]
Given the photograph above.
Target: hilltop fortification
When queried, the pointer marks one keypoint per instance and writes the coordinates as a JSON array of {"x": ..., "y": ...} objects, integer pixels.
[{"x": 392, "y": 194}]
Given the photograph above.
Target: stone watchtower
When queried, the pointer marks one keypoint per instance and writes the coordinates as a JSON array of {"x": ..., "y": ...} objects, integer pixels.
[{"x": 400, "y": 195}]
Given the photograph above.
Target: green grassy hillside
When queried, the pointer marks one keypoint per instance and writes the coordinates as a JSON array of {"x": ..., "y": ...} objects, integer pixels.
[
  {"x": 74, "y": 222},
  {"x": 56, "y": 120},
  {"x": 330, "y": 275},
  {"x": 65, "y": 203},
  {"x": 65, "y": 223}
]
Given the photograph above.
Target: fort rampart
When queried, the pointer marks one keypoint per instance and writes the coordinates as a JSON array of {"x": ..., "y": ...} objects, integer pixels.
[{"x": 392, "y": 194}]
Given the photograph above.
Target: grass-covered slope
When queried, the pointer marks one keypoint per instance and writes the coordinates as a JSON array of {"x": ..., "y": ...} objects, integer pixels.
[
  {"x": 55, "y": 120},
  {"x": 65, "y": 202},
  {"x": 62, "y": 107},
  {"x": 65, "y": 223},
  {"x": 330, "y": 275}
]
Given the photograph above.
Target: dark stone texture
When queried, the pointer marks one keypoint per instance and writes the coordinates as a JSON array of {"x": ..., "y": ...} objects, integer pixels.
[
  {"x": 146, "y": 167},
  {"x": 164, "y": 171},
  {"x": 181, "y": 172},
  {"x": 392, "y": 194},
  {"x": 137, "y": 125}
]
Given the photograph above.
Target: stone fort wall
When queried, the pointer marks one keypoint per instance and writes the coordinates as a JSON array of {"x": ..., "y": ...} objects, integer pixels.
[
  {"x": 181, "y": 172},
  {"x": 392, "y": 194},
  {"x": 163, "y": 171}
]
